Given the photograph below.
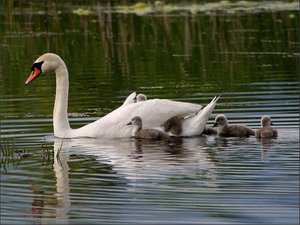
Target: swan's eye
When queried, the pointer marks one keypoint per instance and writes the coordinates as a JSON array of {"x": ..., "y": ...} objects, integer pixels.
[{"x": 37, "y": 65}]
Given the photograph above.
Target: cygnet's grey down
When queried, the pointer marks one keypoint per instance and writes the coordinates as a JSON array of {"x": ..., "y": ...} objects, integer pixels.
[
  {"x": 152, "y": 134},
  {"x": 209, "y": 131},
  {"x": 141, "y": 97},
  {"x": 227, "y": 130},
  {"x": 173, "y": 126},
  {"x": 266, "y": 131},
  {"x": 133, "y": 98}
]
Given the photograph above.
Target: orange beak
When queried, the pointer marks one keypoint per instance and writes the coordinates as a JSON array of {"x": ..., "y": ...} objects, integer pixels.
[{"x": 34, "y": 74}]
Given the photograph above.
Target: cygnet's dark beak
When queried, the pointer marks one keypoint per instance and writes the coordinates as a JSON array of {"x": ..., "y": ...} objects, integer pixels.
[
  {"x": 130, "y": 123},
  {"x": 215, "y": 124}
]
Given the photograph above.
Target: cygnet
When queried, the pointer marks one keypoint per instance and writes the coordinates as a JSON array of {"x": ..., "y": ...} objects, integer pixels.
[
  {"x": 152, "y": 134},
  {"x": 173, "y": 126},
  {"x": 141, "y": 98},
  {"x": 266, "y": 131},
  {"x": 227, "y": 130}
]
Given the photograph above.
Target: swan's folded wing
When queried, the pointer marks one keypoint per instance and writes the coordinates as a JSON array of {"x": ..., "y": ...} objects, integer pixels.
[
  {"x": 130, "y": 99},
  {"x": 154, "y": 112},
  {"x": 194, "y": 125}
]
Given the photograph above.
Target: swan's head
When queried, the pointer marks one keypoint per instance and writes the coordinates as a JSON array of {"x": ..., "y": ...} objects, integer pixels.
[
  {"x": 45, "y": 63},
  {"x": 220, "y": 120},
  {"x": 266, "y": 121}
]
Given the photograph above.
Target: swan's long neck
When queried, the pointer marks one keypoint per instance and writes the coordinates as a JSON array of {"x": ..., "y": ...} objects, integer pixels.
[{"x": 60, "y": 115}]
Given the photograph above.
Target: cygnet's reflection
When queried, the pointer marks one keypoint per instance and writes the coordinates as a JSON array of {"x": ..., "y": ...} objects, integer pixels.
[
  {"x": 135, "y": 159},
  {"x": 143, "y": 146},
  {"x": 136, "y": 162}
]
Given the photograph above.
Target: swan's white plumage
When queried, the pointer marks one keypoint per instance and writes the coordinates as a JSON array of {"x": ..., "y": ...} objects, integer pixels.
[
  {"x": 194, "y": 125},
  {"x": 130, "y": 99},
  {"x": 153, "y": 112}
]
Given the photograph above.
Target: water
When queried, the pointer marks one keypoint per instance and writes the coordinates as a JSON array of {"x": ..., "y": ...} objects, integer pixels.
[{"x": 250, "y": 57}]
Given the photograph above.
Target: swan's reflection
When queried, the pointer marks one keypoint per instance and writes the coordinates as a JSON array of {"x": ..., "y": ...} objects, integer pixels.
[
  {"x": 122, "y": 154},
  {"x": 136, "y": 162},
  {"x": 61, "y": 170}
]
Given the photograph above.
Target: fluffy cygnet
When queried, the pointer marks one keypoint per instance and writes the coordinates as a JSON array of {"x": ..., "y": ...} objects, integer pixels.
[
  {"x": 266, "y": 131},
  {"x": 209, "y": 131},
  {"x": 152, "y": 134},
  {"x": 231, "y": 130},
  {"x": 141, "y": 97},
  {"x": 173, "y": 126}
]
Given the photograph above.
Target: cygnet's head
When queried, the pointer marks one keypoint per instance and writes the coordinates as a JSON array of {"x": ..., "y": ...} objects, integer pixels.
[
  {"x": 266, "y": 121},
  {"x": 141, "y": 97},
  {"x": 220, "y": 120},
  {"x": 174, "y": 124},
  {"x": 136, "y": 121}
]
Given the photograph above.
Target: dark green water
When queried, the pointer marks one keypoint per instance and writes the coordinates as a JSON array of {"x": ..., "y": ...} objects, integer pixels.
[{"x": 190, "y": 53}]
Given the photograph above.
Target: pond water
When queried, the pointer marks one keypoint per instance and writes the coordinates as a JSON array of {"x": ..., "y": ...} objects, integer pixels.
[{"x": 249, "y": 56}]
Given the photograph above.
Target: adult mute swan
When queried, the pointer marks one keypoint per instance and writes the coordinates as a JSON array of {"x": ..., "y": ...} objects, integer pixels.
[{"x": 153, "y": 112}]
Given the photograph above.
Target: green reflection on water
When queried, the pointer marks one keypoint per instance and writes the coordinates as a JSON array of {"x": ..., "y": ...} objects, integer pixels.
[{"x": 170, "y": 55}]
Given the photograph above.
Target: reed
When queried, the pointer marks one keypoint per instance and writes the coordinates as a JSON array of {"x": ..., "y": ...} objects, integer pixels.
[
  {"x": 8, "y": 156},
  {"x": 12, "y": 154}
]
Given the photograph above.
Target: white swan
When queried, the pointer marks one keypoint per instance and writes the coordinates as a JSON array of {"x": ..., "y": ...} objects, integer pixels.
[{"x": 153, "y": 112}]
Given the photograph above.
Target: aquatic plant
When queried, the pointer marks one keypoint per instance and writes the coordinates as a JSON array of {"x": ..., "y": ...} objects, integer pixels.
[
  {"x": 82, "y": 12},
  {"x": 9, "y": 153},
  {"x": 12, "y": 154},
  {"x": 230, "y": 7}
]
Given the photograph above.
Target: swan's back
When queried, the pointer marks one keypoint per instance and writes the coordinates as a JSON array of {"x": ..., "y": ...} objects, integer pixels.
[{"x": 153, "y": 112}]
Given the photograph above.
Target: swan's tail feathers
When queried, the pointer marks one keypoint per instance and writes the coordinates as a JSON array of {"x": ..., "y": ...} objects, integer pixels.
[
  {"x": 195, "y": 125},
  {"x": 215, "y": 99},
  {"x": 130, "y": 99}
]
